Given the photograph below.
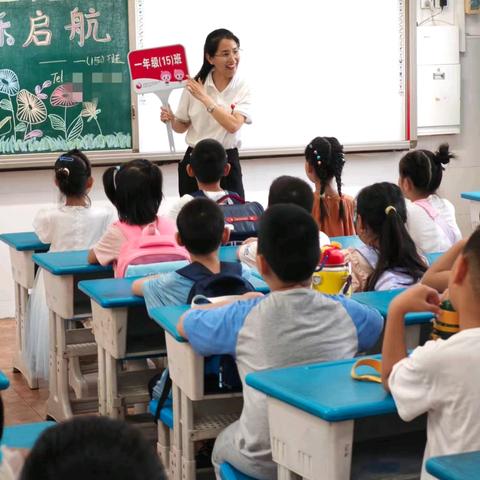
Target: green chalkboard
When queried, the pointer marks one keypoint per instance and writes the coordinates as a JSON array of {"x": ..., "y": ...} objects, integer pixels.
[{"x": 64, "y": 80}]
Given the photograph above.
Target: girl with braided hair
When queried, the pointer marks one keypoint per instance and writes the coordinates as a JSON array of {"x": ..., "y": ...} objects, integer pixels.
[
  {"x": 332, "y": 210},
  {"x": 430, "y": 218}
]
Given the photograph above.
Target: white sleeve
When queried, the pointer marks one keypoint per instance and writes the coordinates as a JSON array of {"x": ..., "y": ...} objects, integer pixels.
[
  {"x": 247, "y": 254},
  {"x": 243, "y": 103},
  {"x": 411, "y": 382},
  {"x": 43, "y": 226},
  {"x": 183, "y": 105},
  {"x": 174, "y": 210}
]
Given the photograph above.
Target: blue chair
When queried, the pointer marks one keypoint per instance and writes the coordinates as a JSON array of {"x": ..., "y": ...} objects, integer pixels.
[
  {"x": 24, "y": 435},
  {"x": 4, "y": 381},
  {"x": 227, "y": 472},
  {"x": 462, "y": 466}
]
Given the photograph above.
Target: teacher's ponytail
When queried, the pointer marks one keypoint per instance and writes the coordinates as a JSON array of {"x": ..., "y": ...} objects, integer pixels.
[{"x": 210, "y": 49}]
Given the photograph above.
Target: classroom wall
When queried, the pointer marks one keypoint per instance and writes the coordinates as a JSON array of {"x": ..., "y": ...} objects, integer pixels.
[{"x": 22, "y": 193}]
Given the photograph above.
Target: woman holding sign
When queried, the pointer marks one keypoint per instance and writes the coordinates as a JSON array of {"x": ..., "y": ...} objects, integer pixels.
[{"x": 215, "y": 104}]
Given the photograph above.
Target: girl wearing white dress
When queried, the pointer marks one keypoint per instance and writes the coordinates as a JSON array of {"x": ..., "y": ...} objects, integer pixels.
[
  {"x": 72, "y": 225},
  {"x": 430, "y": 218}
]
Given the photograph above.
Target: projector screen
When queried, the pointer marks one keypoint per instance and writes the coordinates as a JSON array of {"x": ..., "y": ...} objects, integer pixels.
[{"x": 323, "y": 68}]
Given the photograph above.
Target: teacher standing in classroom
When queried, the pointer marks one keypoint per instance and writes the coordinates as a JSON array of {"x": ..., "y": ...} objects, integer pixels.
[{"x": 215, "y": 104}]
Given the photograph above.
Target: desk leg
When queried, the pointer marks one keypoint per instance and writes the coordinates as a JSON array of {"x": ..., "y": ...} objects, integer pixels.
[
  {"x": 58, "y": 405},
  {"x": 19, "y": 362},
  {"x": 187, "y": 426},
  {"x": 176, "y": 438},
  {"x": 102, "y": 407},
  {"x": 284, "y": 474},
  {"x": 114, "y": 406}
]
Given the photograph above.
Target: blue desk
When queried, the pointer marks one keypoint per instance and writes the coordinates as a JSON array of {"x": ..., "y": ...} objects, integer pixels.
[
  {"x": 68, "y": 305},
  {"x": 21, "y": 247},
  {"x": 196, "y": 414},
  {"x": 4, "y": 381},
  {"x": 348, "y": 241},
  {"x": 413, "y": 321},
  {"x": 474, "y": 199},
  {"x": 24, "y": 435},
  {"x": 462, "y": 466},
  {"x": 311, "y": 411}
]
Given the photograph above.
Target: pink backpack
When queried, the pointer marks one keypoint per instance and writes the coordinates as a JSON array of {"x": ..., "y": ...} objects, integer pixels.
[{"x": 148, "y": 245}]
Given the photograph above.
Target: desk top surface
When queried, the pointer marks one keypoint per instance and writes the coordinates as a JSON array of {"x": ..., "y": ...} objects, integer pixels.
[
  {"x": 348, "y": 241},
  {"x": 24, "y": 241},
  {"x": 381, "y": 301},
  {"x": 475, "y": 196},
  {"x": 112, "y": 292},
  {"x": 69, "y": 263},
  {"x": 433, "y": 257},
  {"x": 463, "y": 466},
  {"x": 167, "y": 318},
  {"x": 325, "y": 390}
]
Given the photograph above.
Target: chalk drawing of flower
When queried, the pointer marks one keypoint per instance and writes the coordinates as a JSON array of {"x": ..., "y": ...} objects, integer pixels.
[
  {"x": 31, "y": 109},
  {"x": 64, "y": 96},
  {"x": 91, "y": 112},
  {"x": 8, "y": 82}
]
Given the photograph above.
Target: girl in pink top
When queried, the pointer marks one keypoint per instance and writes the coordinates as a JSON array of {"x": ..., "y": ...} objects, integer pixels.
[{"x": 135, "y": 188}]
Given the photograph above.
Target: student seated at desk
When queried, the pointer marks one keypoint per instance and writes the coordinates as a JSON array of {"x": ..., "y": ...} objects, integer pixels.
[
  {"x": 284, "y": 189},
  {"x": 440, "y": 378},
  {"x": 135, "y": 188},
  {"x": 201, "y": 230},
  {"x": 73, "y": 225},
  {"x": 92, "y": 448},
  {"x": 208, "y": 164},
  {"x": 389, "y": 258},
  {"x": 292, "y": 325},
  {"x": 430, "y": 219}
]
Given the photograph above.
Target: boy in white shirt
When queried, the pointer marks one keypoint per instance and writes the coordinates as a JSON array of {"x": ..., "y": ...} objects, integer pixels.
[{"x": 437, "y": 378}]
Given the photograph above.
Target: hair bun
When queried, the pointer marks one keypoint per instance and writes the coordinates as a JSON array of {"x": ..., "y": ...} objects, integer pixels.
[
  {"x": 62, "y": 173},
  {"x": 443, "y": 154}
]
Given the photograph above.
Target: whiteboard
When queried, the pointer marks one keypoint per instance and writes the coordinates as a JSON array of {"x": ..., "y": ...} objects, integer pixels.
[{"x": 324, "y": 68}]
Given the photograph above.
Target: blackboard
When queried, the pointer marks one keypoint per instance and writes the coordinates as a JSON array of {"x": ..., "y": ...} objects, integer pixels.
[{"x": 64, "y": 80}]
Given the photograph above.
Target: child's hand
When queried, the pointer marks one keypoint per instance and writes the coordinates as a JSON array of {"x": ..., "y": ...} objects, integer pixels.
[{"x": 418, "y": 298}]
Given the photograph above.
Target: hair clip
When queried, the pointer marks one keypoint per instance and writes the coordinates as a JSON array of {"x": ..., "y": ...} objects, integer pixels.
[
  {"x": 310, "y": 145},
  {"x": 389, "y": 209},
  {"x": 117, "y": 169},
  {"x": 318, "y": 158},
  {"x": 65, "y": 158},
  {"x": 64, "y": 169}
]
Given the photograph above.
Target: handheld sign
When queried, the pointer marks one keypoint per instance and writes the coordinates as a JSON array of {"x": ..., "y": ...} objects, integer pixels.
[{"x": 159, "y": 71}]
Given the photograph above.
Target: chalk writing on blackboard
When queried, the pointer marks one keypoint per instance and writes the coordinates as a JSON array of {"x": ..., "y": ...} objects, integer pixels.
[{"x": 63, "y": 76}]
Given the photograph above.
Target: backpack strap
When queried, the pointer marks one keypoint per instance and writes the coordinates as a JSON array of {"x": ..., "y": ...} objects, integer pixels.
[
  {"x": 434, "y": 214},
  {"x": 163, "y": 397},
  {"x": 196, "y": 271},
  {"x": 235, "y": 197}
]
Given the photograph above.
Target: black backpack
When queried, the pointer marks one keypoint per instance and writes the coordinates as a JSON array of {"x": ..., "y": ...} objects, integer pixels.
[
  {"x": 228, "y": 281},
  {"x": 243, "y": 216},
  {"x": 221, "y": 374}
]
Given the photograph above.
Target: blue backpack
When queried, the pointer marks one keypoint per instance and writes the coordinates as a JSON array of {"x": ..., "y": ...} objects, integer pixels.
[{"x": 244, "y": 217}]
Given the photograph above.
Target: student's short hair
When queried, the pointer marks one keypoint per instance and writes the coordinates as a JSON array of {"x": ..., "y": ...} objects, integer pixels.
[
  {"x": 288, "y": 240},
  {"x": 135, "y": 188},
  {"x": 200, "y": 224},
  {"x": 287, "y": 189},
  {"x": 208, "y": 160},
  {"x": 92, "y": 447},
  {"x": 472, "y": 253}
]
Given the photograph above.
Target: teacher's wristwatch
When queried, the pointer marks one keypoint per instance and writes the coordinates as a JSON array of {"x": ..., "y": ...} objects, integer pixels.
[{"x": 211, "y": 108}]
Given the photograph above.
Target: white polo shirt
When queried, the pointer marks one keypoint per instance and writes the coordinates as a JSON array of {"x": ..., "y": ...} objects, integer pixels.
[{"x": 202, "y": 123}]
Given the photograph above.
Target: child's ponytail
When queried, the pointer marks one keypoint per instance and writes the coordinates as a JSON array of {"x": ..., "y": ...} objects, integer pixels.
[
  {"x": 382, "y": 209},
  {"x": 325, "y": 155}
]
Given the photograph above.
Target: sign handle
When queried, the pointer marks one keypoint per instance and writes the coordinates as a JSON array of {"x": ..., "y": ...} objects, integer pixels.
[{"x": 163, "y": 95}]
